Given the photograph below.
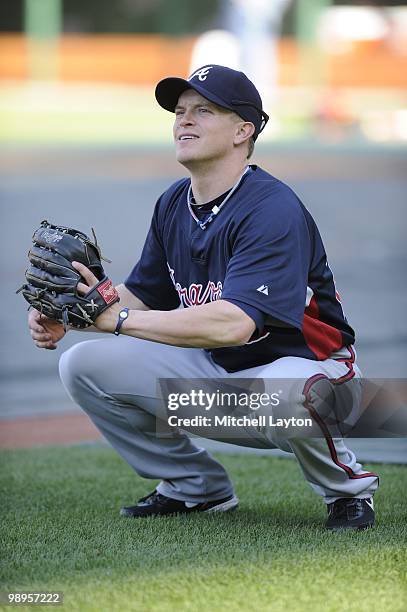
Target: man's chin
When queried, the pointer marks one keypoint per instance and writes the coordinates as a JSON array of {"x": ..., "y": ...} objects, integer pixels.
[{"x": 185, "y": 159}]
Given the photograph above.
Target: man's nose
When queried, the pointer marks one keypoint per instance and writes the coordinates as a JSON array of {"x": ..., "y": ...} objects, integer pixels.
[{"x": 187, "y": 118}]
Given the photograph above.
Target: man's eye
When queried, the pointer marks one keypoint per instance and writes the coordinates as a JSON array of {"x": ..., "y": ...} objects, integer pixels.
[{"x": 204, "y": 110}]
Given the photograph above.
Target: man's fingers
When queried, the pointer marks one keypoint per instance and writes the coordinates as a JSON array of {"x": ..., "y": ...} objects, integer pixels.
[
  {"x": 43, "y": 341},
  {"x": 86, "y": 274},
  {"x": 40, "y": 337},
  {"x": 46, "y": 345},
  {"x": 82, "y": 288},
  {"x": 39, "y": 333},
  {"x": 37, "y": 328}
]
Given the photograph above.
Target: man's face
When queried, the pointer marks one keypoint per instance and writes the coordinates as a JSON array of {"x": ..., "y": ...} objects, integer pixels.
[{"x": 203, "y": 131}]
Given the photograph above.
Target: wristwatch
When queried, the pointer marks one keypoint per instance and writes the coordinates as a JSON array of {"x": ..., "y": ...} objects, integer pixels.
[{"x": 123, "y": 315}]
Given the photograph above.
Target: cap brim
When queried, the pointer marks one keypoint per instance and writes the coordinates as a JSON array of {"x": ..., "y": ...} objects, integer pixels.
[{"x": 169, "y": 90}]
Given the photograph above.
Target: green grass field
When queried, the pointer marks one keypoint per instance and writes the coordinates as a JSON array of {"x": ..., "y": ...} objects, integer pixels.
[
  {"x": 42, "y": 113},
  {"x": 60, "y": 530}
]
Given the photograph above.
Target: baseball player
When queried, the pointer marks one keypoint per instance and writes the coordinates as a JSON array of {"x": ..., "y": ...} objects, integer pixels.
[{"x": 233, "y": 283}]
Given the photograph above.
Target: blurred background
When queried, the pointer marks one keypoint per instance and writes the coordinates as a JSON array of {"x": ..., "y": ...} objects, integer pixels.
[
  {"x": 74, "y": 72},
  {"x": 83, "y": 143}
]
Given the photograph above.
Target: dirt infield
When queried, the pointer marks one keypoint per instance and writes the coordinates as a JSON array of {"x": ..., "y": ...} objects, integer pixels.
[{"x": 64, "y": 429}]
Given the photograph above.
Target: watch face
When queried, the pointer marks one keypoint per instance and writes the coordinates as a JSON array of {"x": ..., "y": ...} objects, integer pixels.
[{"x": 124, "y": 315}]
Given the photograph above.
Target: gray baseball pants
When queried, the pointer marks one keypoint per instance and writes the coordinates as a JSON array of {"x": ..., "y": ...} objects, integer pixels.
[{"x": 114, "y": 380}]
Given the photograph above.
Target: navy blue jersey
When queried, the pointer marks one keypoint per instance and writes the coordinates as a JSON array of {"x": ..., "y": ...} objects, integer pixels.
[{"x": 263, "y": 252}]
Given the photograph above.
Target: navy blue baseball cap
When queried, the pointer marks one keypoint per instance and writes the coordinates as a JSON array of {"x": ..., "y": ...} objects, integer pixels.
[{"x": 223, "y": 86}]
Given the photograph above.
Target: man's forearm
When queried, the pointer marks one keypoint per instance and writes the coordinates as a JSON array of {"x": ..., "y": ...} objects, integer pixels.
[{"x": 213, "y": 325}]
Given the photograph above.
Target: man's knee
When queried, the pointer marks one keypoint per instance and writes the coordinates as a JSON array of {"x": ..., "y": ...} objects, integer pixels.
[{"x": 76, "y": 364}]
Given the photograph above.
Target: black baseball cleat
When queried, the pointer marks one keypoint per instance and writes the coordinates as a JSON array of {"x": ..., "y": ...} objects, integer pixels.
[
  {"x": 156, "y": 504},
  {"x": 350, "y": 513}
]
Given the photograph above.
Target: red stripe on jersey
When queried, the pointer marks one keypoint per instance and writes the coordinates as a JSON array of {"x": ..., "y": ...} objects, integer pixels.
[{"x": 322, "y": 339}]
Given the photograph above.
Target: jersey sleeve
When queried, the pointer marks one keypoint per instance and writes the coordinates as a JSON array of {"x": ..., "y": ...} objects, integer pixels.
[
  {"x": 150, "y": 280},
  {"x": 254, "y": 313},
  {"x": 268, "y": 269}
]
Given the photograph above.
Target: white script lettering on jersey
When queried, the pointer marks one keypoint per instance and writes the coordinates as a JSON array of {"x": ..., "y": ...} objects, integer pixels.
[
  {"x": 196, "y": 294},
  {"x": 201, "y": 74}
]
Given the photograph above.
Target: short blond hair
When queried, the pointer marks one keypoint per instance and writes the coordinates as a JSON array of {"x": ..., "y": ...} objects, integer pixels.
[{"x": 250, "y": 148}]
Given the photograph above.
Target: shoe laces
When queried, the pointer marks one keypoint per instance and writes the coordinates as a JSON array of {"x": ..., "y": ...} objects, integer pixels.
[
  {"x": 348, "y": 508},
  {"x": 152, "y": 498}
]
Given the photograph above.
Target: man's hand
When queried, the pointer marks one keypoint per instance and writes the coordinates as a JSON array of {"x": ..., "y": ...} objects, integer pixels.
[
  {"x": 106, "y": 321},
  {"x": 45, "y": 332}
]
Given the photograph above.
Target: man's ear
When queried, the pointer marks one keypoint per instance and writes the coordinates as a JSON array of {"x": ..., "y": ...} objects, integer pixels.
[{"x": 244, "y": 130}]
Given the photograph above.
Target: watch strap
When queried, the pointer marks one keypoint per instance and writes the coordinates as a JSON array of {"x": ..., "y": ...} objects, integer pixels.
[{"x": 123, "y": 315}]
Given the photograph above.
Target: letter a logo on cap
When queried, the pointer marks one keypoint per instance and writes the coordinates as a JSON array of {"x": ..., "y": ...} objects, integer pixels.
[{"x": 202, "y": 73}]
